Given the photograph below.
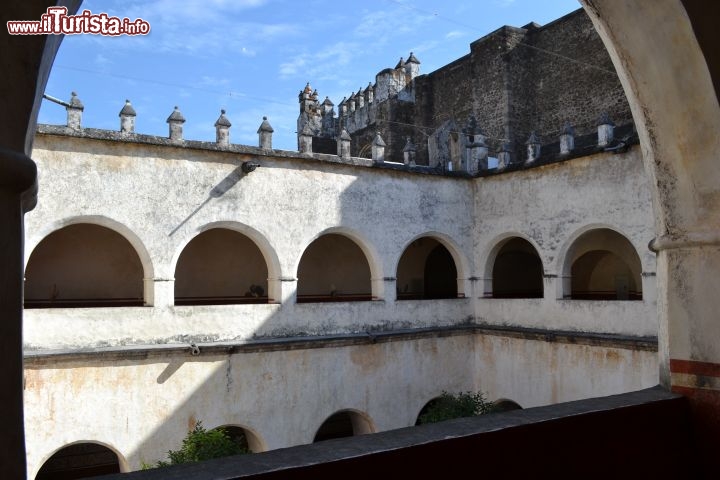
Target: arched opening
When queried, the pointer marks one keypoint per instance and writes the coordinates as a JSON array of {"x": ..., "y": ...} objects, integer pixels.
[
  {"x": 603, "y": 265},
  {"x": 505, "y": 405},
  {"x": 80, "y": 460},
  {"x": 426, "y": 271},
  {"x": 517, "y": 271},
  {"x": 424, "y": 410},
  {"x": 333, "y": 268},
  {"x": 244, "y": 438},
  {"x": 220, "y": 267},
  {"x": 83, "y": 265},
  {"x": 345, "y": 423}
]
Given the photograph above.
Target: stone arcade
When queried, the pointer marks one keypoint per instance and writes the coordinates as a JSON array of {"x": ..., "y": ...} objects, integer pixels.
[{"x": 526, "y": 315}]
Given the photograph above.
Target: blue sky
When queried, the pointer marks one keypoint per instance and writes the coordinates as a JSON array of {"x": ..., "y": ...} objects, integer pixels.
[{"x": 252, "y": 57}]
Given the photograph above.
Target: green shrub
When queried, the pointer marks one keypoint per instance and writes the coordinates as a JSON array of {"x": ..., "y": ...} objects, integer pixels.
[
  {"x": 201, "y": 444},
  {"x": 449, "y": 406}
]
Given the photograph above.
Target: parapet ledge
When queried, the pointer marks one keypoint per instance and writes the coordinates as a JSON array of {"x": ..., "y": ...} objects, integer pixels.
[{"x": 143, "y": 139}]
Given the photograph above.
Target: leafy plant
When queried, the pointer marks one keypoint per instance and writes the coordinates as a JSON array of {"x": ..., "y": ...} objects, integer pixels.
[
  {"x": 201, "y": 444},
  {"x": 448, "y": 406}
]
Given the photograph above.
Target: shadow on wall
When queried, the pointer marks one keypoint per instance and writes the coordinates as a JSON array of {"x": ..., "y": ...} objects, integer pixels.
[{"x": 219, "y": 266}]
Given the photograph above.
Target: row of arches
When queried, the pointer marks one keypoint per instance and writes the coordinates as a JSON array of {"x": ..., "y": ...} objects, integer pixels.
[
  {"x": 90, "y": 265},
  {"x": 601, "y": 264},
  {"x": 89, "y": 459}
]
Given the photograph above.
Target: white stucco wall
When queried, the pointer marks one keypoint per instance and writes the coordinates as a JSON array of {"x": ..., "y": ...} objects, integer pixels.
[
  {"x": 551, "y": 206},
  {"x": 160, "y": 197},
  {"x": 143, "y": 407}
]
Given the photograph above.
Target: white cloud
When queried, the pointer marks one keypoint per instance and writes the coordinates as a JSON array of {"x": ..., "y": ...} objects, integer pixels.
[
  {"x": 319, "y": 65},
  {"x": 101, "y": 60},
  {"x": 208, "y": 81},
  {"x": 454, "y": 34}
]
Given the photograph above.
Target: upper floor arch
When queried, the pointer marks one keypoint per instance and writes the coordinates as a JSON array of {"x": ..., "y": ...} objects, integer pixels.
[
  {"x": 600, "y": 263},
  {"x": 339, "y": 264},
  {"x": 431, "y": 266},
  {"x": 513, "y": 268},
  {"x": 87, "y": 262},
  {"x": 238, "y": 265},
  {"x": 130, "y": 235}
]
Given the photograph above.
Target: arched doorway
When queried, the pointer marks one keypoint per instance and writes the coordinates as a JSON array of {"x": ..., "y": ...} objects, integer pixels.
[{"x": 83, "y": 265}]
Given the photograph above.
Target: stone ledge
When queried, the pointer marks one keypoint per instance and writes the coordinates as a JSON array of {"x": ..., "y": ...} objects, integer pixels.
[
  {"x": 584, "y": 147},
  {"x": 40, "y": 358}
]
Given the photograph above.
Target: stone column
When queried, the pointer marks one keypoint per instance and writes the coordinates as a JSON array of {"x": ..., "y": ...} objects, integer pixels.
[
  {"x": 288, "y": 290},
  {"x": 552, "y": 287},
  {"x": 265, "y": 135},
  {"x": 127, "y": 118},
  {"x": 377, "y": 286},
  {"x": 159, "y": 292},
  {"x": 18, "y": 190},
  {"x": 74, "y": 112},
  {"x": 390, "y": 286}
]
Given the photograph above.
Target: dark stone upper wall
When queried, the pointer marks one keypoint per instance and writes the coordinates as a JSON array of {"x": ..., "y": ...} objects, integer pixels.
[
  {"x": 562, "y": 72},
  {"x": 516, "y": 80}
]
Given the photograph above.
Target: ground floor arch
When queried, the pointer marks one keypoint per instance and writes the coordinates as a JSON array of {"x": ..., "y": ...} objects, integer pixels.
[
  {"x": 505, "y": 405},
  {"x": 245, "y": 438},
  {"x": 345, "y": 423},
  {"x": 80, "y": 460}
]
